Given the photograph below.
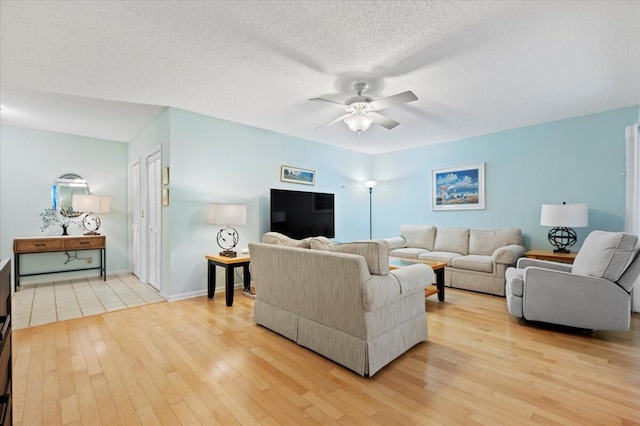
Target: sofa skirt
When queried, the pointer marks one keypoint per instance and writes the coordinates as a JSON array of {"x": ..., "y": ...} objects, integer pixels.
[
  {"x": 365, "y": 358},
  {"x": 276, "y": 319},
  {"x": 476, "y": 281}
]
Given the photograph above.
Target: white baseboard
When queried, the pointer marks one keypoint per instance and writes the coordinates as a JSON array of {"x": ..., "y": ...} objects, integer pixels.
[
  {"x": 192, "y": 294},
  {"x": 183, "y": 296}
]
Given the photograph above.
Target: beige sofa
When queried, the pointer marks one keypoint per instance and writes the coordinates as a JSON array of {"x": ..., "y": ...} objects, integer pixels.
[
  {"x": 340, "y": 301},
  {"x": 476, "y": 258}
]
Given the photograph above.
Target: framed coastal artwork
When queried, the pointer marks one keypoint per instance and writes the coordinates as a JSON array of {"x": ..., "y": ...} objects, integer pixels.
[
  {"x": 458, "y": 188},
  {"x": 297, "y": 175}
]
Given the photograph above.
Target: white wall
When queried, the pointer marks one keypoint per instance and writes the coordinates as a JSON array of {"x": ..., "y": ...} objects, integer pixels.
[{"x": 30, "y": 161}]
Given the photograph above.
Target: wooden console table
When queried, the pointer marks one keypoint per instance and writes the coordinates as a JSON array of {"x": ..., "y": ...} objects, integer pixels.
[
  {"x": 6, "y": 387},
  {"x": 33, "y": 245},
  {"x": 551, "y": 255}
]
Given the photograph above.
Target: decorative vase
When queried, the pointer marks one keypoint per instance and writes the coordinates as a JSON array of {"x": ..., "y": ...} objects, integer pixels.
[{"x": 64, "y": 229}]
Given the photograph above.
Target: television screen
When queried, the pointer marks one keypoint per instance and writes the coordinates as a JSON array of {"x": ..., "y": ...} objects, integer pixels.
[{"x": 299, "y": 214}]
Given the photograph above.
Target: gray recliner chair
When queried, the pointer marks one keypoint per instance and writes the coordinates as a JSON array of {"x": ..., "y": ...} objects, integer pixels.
[{"x": 593, "y": 293}]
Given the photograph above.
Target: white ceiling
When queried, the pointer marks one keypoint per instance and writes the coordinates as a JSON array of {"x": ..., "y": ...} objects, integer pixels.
[{"x": 106, "y": 69}]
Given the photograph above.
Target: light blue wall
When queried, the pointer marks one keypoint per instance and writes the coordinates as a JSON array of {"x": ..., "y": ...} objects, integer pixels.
[
  {"x": 30, "y": 161},
  {"x": 214, "y": 160},
  {"x": 573, "y": 160},
  {"x": 154, "y": 135}
]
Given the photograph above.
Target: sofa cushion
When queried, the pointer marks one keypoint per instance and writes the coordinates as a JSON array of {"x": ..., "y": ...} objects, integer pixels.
[
  {"x": 515, "y": 282},
  {"x": 321, "y": 243},
  {"x": 605, "y": 255},
  {"x": 419, "y": 236},
  {"x": 455, "y": 240},
  {"x": 408, "y": 253},
  {"x": 282, "y": 240},
  {"x": 375, "y": 253},
  {"x": 439, "y": 256},
  {"x": 473, "y": 262},
  {"x": 487, "y": 241}
]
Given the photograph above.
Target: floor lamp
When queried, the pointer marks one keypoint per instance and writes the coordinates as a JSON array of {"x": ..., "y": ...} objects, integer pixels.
[{"x": 370, "y": 184}]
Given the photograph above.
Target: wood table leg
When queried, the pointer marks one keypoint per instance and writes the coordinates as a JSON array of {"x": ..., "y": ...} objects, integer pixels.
[
  {"x": 247, "y": 278},
  {"x": 228, "y": 269},
  {"x": 440, "y": 283},
  {"x": 211, "y": 279}
]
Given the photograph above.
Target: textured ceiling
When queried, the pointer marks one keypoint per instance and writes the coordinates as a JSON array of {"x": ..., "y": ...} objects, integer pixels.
[{"x": 106, "y": 69}]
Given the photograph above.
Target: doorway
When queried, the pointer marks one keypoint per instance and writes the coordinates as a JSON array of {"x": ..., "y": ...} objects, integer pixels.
[
  {"x": 154, "y": 221},
  {"x": 135, "y": 215}
]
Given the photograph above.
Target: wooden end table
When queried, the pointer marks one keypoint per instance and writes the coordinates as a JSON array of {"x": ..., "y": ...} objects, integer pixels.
[
  {"x": 551, "y": 255},
  {"x": 229, "y": 264},
  {"x": 438, "y": 268}
]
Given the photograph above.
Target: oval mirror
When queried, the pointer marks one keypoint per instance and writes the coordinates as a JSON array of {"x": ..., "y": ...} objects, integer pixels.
[{"x": 63, "y": 190}]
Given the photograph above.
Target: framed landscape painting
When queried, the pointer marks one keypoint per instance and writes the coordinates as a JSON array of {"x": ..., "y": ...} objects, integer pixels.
[
  {"x": 296, "y": 175},
  {"x": 458, "y": 188}
]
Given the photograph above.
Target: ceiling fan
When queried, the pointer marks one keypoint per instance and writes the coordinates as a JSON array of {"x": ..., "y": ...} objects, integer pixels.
[{"x": 363, "y": 110}]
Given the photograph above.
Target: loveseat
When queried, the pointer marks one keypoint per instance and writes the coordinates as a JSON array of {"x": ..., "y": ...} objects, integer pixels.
[
  {"x": 476, "y": 258},
  {"x": 340, "y": 301}
]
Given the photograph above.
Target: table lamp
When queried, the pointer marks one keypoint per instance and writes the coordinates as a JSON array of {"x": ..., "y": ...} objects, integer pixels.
[
  {"x": 562, "y": 217},
  {"x": 89, "y": 205},
  {"x": 227, "y": 215}
]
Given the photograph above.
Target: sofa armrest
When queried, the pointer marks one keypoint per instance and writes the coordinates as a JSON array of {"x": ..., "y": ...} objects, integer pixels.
[
  {"x": 396, "y": 243},
  {"x": 525, "y": 262},
  {"x": 508, "y": 255},
  {"x": 380, "y": 290}
]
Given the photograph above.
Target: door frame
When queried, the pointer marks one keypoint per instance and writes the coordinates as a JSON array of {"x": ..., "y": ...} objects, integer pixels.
[
  {"x": 151, "y": 251},
  {"x": 138, "y": 214},
  {"x": 144, "y": 220}
]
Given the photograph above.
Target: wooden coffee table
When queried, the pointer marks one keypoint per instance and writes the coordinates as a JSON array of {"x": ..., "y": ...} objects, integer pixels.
[{"x": 438, "y": 268}]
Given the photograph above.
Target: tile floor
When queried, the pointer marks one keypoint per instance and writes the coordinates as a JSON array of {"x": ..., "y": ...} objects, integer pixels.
[{"x": 36, "y": 304}]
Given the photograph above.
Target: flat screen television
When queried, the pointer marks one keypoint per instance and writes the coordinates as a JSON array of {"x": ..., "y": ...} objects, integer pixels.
[{"x": 300, "y": 214}]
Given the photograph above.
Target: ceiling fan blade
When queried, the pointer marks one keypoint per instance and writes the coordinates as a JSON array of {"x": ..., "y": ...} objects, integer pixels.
[
  {"x": 400, "y": 98},
  {"x": 328, "y": 100},
  {"x": 342, "y": 117},
  {"x": 383, "y": 121}
]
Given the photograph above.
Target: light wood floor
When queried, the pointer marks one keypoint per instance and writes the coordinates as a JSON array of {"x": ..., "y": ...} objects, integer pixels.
[{"x": 200, "y": 362}]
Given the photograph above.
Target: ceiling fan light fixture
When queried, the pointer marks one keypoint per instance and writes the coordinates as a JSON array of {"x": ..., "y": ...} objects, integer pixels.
[{"x": 358, "y": 122}]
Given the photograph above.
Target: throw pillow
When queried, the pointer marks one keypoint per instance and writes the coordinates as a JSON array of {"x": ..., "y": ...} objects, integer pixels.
[
  {"x": 321, "y": 243},
  {"x": 282, "y": 240},
  {"x": 605, "y": 255}
]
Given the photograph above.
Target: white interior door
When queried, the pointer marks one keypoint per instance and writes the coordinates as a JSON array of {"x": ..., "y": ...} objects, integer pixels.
[
  {"x": 134, "y": 219},
  {"x": 154, "y": 221}
]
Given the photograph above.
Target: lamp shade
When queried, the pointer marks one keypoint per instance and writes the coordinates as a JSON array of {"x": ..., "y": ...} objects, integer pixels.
[
  {"x": 568, "y": 215},
  {"x": 358, "y": 122},
  {"x": 227, "y": 214},
  {"x": 370, "y": 183},
  {"x": 90, "y": 203}
]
